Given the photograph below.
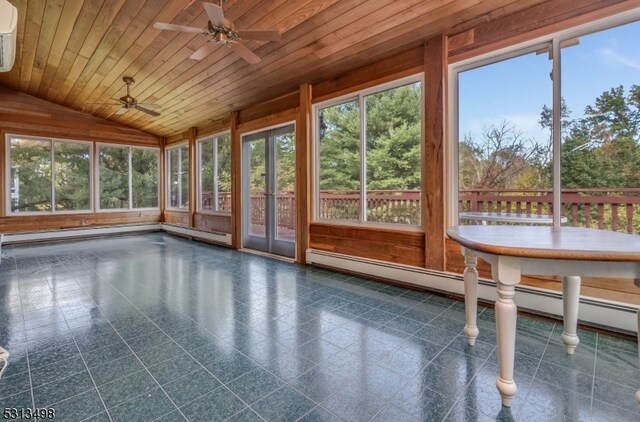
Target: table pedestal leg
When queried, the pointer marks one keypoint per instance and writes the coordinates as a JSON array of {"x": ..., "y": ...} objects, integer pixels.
[
  {"x": 470, "y": 296},
  {"x": 570, "y": 302}
]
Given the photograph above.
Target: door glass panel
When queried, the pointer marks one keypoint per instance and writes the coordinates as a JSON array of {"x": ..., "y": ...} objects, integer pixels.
[
  {"x": 257, "y": 187},
  {"x": 285, "y": 186}
]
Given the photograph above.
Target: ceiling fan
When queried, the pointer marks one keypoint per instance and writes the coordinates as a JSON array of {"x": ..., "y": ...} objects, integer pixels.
[
  {"x": 127, "y": 102},
  {"x": 222, "y": 32}
]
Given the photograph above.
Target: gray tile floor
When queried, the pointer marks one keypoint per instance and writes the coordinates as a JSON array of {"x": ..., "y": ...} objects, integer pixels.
[{"x": 155, "y": 327}]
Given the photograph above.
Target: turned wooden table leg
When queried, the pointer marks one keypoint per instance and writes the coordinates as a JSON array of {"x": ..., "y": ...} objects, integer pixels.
[
  {"x": 570, "y": 303},
  {"x": 470, "y": 296},
  {"x": 506, "y": 274}
]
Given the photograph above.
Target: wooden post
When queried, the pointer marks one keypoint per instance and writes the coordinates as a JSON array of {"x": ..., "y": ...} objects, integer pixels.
[
  {"x": 4, "y": 193},
  {"x": 193, "y": 191},
  {"x": 236, "y": 183},
  {"x": 303, "y": 179},
  {"x": 433, "y": 209},
  {"x": 162, "y": 201}
]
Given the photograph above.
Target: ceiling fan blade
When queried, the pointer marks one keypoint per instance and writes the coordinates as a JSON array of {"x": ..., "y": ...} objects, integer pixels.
[
  {"x": 144, "y": 110},
  {"x": 215, "y": 14},
  {"x": 179, "y": 28},
  {"x": 242, "y": 51},
  {"x": 121, "y": 111},
  {"x": 260, "y": 35},
  {"x": 149, "y": 106},
  {"x": 203, "y": 51}
]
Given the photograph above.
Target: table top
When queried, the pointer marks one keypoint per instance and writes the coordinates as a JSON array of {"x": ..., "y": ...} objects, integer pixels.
[
  {"x": 549, "y": 242},
  {"x": 508, "y": 217}
]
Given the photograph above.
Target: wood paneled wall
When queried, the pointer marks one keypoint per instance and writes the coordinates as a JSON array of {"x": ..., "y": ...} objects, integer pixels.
[
  {"x": 392, "y": 245},
  {"x": 51, "y": 222},
  {"x": 26, "y": 115}
]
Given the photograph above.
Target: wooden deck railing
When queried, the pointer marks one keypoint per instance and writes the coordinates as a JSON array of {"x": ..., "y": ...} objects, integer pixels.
[{"x": 607, "y": 209}]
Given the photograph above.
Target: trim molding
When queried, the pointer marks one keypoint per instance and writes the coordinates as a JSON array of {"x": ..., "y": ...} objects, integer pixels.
[{"x": 594, "y": 312}]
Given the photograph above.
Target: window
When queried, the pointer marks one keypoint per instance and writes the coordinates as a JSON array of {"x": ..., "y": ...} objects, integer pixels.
[
  {"x": 214, "y": 173},
  {"x": 586, "y": 172},
  {"x": 48, "y": 175},
  {"x": 128, "y": 177},
  {"x": 504, "y": 142},
  {"x": 178, "y": 177},
  {"x": 369, "y": 155},
  {"x": 144, "y": 178}
]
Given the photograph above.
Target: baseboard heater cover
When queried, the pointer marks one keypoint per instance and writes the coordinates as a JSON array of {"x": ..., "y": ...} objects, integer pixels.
[
  {"x": 9, "y": 238},
  {"x": 595, "y": 312},
  {"x": 222, "y": 238}
]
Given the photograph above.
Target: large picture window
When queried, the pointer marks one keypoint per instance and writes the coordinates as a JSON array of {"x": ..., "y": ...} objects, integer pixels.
[
  {"x": 512, "y": 163},
  {"x": 48, "y": 175},
  {"x": 128, "y": 177},
  {"x": 369, "y": 155},
  {"x": 178, "y": 177},
  {"x": 214, "y": 174}
]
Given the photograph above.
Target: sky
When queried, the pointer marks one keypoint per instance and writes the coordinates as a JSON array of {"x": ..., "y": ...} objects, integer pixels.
[{"x": 515, "y": 90}]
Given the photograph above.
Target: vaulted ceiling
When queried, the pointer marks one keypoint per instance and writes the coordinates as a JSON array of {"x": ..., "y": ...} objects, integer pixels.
[{"x": 75, "y": 52}]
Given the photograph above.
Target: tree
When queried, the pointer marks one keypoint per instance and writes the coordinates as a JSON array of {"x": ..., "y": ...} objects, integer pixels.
[
  {"x": 393, "y": 134},
  {"x": 501, "y": 159},
  {"x": 602, "y": 149}
]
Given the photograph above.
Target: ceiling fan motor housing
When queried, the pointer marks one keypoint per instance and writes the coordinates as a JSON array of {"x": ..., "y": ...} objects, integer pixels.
[{"x": 223, "y": 35}]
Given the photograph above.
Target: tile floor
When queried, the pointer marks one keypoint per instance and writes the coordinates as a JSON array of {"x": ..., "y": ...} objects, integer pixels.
[{"x": 155, "y": 327}]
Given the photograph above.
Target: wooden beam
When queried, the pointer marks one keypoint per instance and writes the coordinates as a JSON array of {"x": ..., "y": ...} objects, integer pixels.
[
  {"x": 193, "y": 132},
  {"x": 3, "y": 174},
  {"x": 433, "y": 189},
  {"x": 236, "y": 183},
  {"x": 304, "y": 163},
  {"x": 271, "y": 120},
  {"x": 163, "y": 179}
]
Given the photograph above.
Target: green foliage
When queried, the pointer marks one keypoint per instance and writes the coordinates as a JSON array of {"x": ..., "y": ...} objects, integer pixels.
[
  {"x": 32, "y": 179},
  {"x": 339, "y": 147},
  {"x": 114, "y": 177},
  {"x": 144, "y": 178},
  {"x": 393, "y": 134},
  {"x": 602, "y": 149},
  {"x": 72, "y": 169},
  {"x": 30, "y": 175}
]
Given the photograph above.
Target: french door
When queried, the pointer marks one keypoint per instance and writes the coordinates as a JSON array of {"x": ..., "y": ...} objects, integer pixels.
[{"x": 269, "y": 210}]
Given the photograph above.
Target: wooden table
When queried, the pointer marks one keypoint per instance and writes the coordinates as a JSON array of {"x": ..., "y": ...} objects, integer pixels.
[{"x": 570, "y": 252}]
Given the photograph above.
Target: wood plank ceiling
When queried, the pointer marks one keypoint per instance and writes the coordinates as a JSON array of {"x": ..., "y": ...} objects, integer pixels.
[{"x": 75, "y": 52}]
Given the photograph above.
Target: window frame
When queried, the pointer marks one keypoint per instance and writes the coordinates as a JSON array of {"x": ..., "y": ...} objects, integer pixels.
[
  {"x": 167, "y": 163},
  {"x": 359, "y": 96},
  {"x": 130, "y": 177},
  {"x": 199, "y": 143},
  {"x": 52, "y": 141},
  {"x": 552, "y": 41}
]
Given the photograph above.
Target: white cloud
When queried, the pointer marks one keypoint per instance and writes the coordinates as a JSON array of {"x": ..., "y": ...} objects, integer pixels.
[{"x": 610, "y": 55}]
